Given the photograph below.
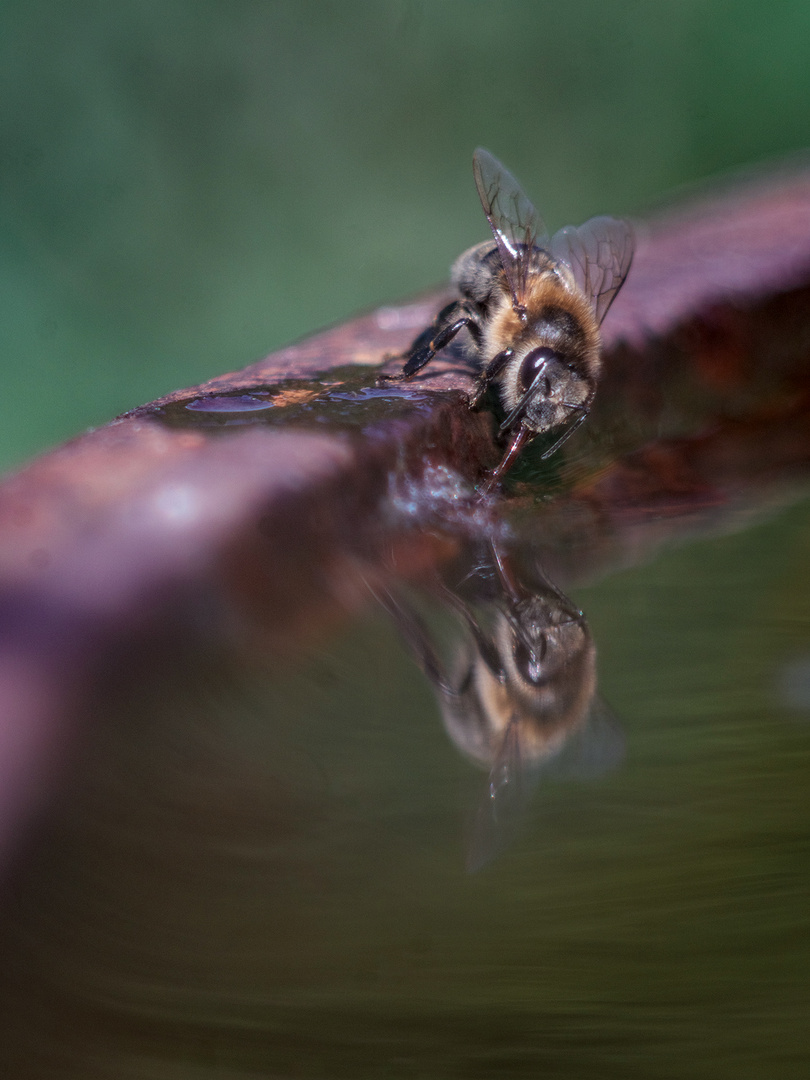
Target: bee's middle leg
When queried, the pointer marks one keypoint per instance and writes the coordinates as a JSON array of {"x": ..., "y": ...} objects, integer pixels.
[{"x": 436, "y": 337}]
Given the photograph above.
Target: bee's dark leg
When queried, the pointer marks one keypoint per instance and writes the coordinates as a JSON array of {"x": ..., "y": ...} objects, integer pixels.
[
  {"x": 444, "y": 328},
  {"x": 516, "y": 415},
  {"x": 569, "y": 431},
  {"x": 490, "y": 372},
  {"x": 415, "y": 635},
  {"x": 488, "y": 653},
  {"x": 522, "y": 436}
]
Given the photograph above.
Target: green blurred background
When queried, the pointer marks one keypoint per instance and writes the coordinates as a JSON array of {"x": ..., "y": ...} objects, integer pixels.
[{"x": 187, "y": 186}]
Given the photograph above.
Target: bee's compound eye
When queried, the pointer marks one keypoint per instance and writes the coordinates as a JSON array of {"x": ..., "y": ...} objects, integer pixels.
[{"x": 533, "y": 365}]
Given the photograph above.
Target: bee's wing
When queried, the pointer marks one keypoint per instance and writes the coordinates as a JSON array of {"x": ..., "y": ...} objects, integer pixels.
[
  {"x": 596, "y": 747},
  {"x": 599, "y": 254},
  {"x": 515, "y": 223},
  {"x": 502, "y": 809}
]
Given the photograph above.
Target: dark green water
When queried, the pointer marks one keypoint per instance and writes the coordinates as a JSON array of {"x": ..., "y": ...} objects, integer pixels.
[{"x": 268, "y": 878}]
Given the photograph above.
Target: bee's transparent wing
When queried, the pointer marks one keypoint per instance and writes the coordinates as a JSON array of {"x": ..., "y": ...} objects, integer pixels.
[
  {"x": 594, "y": 748},
  {"x": 599, "y": 254},
  {"x": 515, "y": 223},
  {"x": 502, "y": 810}
]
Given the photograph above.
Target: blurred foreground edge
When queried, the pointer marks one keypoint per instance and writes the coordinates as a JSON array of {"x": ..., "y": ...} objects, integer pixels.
[{"x": 138, "y": 535}]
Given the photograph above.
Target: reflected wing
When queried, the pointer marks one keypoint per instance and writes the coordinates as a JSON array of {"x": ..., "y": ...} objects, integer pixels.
[
  {"x": 599, "y": 253},
  {"x": 515, "y": 223},
  {"x": 593, "y": 749},
  {"x": 596, "y": 747},
  {"x": 502, "y": 810}
]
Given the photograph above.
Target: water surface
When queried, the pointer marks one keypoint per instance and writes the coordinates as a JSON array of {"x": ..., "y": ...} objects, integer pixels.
[{"x": 262, "y": 871}]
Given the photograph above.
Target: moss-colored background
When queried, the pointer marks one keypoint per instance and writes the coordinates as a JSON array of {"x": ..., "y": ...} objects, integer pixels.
[{"x": 186, "y": 186}]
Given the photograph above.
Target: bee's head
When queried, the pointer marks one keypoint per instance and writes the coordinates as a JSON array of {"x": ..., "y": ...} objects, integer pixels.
[
  {"x": 553, "y": 391},
  {"x": 538, "y": 642}
]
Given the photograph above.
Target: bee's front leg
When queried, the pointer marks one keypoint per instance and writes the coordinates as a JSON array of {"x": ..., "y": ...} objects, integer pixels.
[
  {"x": 490, "y": 372},
  {"x": 439, "y": 334},
  {"x": 521, "y": 437}
]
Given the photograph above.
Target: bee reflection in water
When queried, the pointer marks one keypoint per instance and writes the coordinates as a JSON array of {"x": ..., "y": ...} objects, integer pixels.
[{"x": 517, "y": 692}]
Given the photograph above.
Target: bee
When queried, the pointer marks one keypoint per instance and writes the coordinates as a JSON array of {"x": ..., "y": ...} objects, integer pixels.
[
  {"x": 518, "y": 694},
  {"x": 532, "y": 305}
]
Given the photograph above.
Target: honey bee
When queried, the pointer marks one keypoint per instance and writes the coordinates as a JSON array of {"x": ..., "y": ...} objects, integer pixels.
[
  {"x": 532, "y": 305},
  {"x": 518, "y": 695}
]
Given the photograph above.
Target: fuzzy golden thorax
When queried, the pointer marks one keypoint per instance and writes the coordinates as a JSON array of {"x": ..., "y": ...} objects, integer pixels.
[{"x": 559, "y": 318}]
